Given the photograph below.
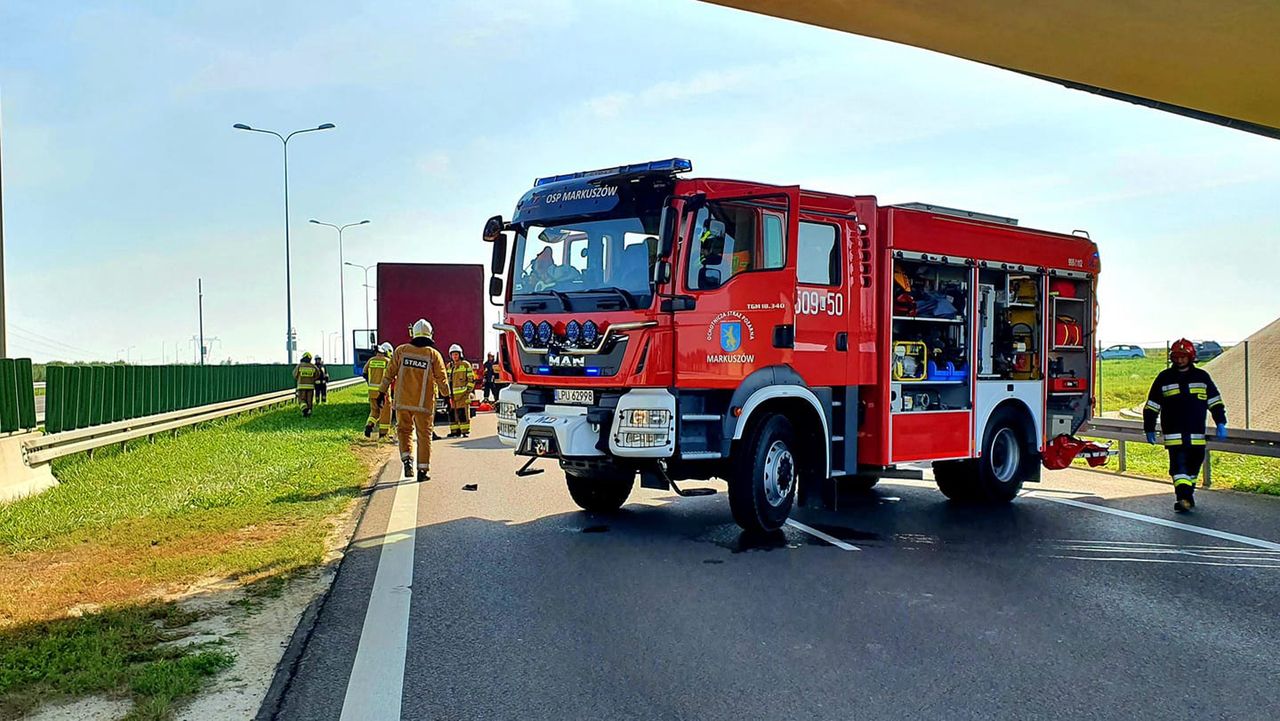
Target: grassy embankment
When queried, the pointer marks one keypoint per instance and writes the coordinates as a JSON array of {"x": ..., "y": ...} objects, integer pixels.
[
  {"x": 250, "y": 498},
  {"x": 1125, "y": 383}
]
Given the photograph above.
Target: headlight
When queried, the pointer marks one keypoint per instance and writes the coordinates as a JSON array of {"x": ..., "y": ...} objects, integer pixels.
[
  {"x": 590, "y": 332},
  {"x": 646, "y": 418},
  {"x": 573, "y": 332},
  {"x": 527, "y": 332},
  {"x": 544, "y": 332},
  {"x": 506, "y": 411}
]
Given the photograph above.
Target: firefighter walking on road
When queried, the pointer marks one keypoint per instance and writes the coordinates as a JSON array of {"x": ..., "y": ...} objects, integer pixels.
[
  {"x": 305, "y": 376},
  {"x": 462, "y": 382},
  {"x": 375, "y": 369},
  {"x": 418, "y": 371},
  {"x": 1180, "y": 397}
]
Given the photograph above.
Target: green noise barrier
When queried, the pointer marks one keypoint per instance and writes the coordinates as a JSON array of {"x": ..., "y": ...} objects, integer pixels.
[
  {"x": 17, "y": 395},
  {"x": 79, "y": 396}
]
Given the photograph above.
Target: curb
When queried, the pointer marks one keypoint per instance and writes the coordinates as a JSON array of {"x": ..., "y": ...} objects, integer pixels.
[{"x": 287, "y": 668}]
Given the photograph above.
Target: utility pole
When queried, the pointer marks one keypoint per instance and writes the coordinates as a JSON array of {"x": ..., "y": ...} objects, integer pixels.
[
  {"x": 200, "y": 293},
  {"x": 4, "y": 329}
]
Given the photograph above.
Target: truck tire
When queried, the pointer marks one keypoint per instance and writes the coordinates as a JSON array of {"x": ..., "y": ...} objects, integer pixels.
[
  {"x": 957, "y": 479},
  {"x": 763, "y": 476},
  {"x": 600, "y": 491},
  {"x": 998, "y": 475}
]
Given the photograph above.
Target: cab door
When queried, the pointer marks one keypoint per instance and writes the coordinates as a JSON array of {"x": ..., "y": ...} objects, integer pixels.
[
  {"x": 822, "y": 300},
  {"x": 737, "y": 277}
]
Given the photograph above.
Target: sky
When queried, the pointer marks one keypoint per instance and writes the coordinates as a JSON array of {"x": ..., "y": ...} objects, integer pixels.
[{"x": 124, "y": 181}]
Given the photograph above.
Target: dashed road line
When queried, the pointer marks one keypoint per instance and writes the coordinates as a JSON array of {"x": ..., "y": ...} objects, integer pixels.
[
  {"x": 824, "y": 536},
  {"x": 377, "y": 677},
  {"x": 1247, "y": 540}
]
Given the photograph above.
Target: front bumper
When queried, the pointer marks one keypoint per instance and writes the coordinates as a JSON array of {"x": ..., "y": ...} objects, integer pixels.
[{"x": 568, "y": 432}]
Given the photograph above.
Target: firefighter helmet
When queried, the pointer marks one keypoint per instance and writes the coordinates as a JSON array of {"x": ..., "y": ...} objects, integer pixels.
[
  {"x": 422, "y": 329},
  {"x": 455, "y": 348},
  {"x": 386, "y": 348},
  {"x": 1182, "y": 346},
  {"x": 306, "y": 357}
]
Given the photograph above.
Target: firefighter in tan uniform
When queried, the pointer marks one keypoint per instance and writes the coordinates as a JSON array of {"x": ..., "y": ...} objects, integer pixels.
[
  {"x": 462, "y": 382},
  {"x": 305, "y": 376},
  {"x": 418, "y": 371},
  {"x": 375, "y": 369}
]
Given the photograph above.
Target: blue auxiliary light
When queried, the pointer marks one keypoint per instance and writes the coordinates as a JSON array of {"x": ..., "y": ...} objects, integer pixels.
[
  {"x": 527, "y": 331},
  {"x": 670, "y": 165},
  {"x": 573, "y": 331},
  {"x": 544, "y": 332},
  {"x": 544, "y": 370},
  {"x": 590, "y": 331},
  {"x": 592, "y": 371}
]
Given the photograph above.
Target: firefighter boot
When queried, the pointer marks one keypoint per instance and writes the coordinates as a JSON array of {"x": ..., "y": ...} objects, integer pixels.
[
  {"x": 422, "y": 475},
  {"x": 408, "y": 468},
  {"x": 368, "y": 429},
  {"x": 1183, "y": 495},
  {"x": 1191, "y": 495}
]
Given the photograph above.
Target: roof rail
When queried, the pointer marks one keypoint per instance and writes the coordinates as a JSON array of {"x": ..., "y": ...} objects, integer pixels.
[{"x": 972, "y": 215}]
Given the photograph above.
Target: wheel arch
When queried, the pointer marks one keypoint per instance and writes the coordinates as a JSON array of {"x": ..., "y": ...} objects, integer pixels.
[{"x": 794, "y": 400}]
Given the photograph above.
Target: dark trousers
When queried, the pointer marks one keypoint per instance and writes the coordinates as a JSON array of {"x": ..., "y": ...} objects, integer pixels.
[
  {"x": 490, "y": 392},
  {"x": 322, "y": 392},
  {"x": 1184, "y": 463}
]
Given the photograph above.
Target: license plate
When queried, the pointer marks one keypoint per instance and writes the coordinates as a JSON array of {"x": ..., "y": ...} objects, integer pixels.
[{"x": 576, "y": 396}]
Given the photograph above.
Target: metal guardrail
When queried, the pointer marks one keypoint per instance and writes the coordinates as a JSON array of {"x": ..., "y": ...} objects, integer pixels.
[
  {"x": 1239, "y": 440},
  {"x": 43, "y": 449},
  {"x": 38, "y": 384}
]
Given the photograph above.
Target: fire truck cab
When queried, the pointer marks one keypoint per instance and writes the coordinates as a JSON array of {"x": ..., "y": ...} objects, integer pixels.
[{"x": 791, "y": 342}]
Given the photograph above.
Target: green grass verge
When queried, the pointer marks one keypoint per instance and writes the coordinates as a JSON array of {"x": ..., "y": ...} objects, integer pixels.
[
  {"x": 120, "y": 652},
  {"x": 1124, "y": 383},
  {"x": 249, "y": 497}
]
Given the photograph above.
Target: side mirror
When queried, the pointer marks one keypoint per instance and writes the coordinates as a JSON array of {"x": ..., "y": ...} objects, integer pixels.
[
  {"x": 495, "y": 287},
  {"x": 662, "y": 272},
  {"x": 492, "y": 229},
  {"x": 498, "y": 262}
]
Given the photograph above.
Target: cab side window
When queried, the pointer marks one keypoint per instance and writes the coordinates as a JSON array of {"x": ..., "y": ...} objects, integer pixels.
[
  {"x": 818, "y": 255},
  {"x": 732, "y": 238}
]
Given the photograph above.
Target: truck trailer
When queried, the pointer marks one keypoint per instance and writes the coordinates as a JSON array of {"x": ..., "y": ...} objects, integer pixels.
[
  {"x": 791, "y": 342},
  {"x": 449, "y": 295}
]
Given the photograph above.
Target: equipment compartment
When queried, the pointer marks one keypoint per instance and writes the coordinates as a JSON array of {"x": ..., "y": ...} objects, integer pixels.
[{"x": 930, "y": 362}]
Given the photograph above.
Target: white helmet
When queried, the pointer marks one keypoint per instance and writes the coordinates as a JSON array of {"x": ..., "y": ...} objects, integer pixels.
[
  {"x": 422, "y": 329},
  {"x": 455, "y": 348},
  {"x": 386, "y": 348}
]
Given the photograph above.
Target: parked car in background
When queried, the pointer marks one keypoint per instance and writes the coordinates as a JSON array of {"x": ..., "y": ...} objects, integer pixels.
[
  {"x": 1207, "y": 349},
  {"x": 1122, "y": 352}
]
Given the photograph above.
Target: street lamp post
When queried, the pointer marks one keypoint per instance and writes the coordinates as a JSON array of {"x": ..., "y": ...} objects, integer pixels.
[
  {"x": 342, "y": 292},
  {"x": 365, "y": 268},
  {"x": 288, "y": 285}
]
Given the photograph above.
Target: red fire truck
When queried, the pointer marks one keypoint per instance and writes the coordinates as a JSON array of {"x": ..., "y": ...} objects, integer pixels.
[{"x": 791, "y": 342}]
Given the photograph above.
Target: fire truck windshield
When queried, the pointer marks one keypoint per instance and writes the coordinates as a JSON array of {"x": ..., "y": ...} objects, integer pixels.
[{"x": 590, "y": 261}]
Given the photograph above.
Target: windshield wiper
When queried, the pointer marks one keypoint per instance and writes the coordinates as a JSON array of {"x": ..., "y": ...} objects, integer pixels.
[
  {"x": 628, "y": 298},
  {"x": 560, "y": 296}
]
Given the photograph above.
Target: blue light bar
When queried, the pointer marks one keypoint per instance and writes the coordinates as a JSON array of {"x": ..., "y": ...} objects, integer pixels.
[
  {"x": 670, "y": 165},
  {"x": 544, "y": 370},
  {"x": 593, "y": 371}
]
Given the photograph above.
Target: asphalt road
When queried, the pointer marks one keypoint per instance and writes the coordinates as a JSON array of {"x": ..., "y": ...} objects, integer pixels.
[{"x": 523, "y": 607}]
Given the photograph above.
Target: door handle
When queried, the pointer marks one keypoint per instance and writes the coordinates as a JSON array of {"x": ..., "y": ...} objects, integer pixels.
[
  {"x": 842, "y": 341},
  {"x": 784, "y": 336}
]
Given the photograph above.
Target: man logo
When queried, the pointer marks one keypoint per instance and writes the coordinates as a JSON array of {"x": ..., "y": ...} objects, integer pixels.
[
  {"x": 566, "y": 361},
  {"x": 730, "y": 336}
]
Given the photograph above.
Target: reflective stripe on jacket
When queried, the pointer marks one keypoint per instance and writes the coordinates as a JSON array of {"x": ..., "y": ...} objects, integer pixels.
[
  {"x": 374, "y": 370},
  {"x": 305, "y": 376},
  {"x": 1180, "y": 400},
  {"x": 418, "y": 373}
]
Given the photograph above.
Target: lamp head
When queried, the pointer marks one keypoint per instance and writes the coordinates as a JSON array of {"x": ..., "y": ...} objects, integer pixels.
[{"x": 241, "y": 126}]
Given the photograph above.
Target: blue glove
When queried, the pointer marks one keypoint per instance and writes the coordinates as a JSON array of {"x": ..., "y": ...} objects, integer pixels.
[
  {"x": 1151, "y": 437},
  {"x": 1222, "y": 431}
]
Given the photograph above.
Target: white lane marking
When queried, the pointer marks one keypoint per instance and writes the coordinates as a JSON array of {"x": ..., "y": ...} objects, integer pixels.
[
  {"x": 824, "y": 536},
  {"x": 377, "y": 677},
  {"x": 1256, "y": 542}
]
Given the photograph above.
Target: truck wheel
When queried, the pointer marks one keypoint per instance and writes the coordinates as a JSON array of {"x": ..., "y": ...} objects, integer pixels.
[
  {"x": 1005, "y": 461},
  {"x": 764, "y": 475},
  {"x": 600, "y": 491},
  {"x": 957, "y": 479}
]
